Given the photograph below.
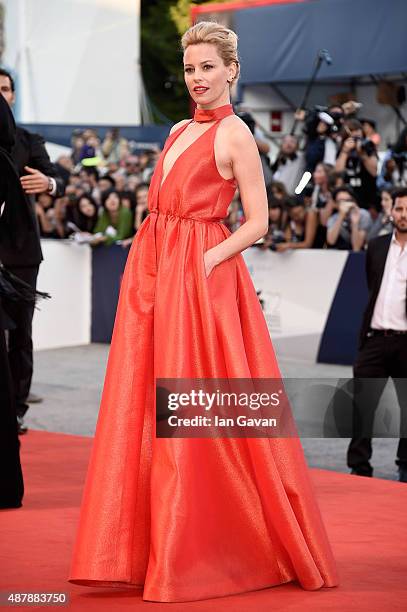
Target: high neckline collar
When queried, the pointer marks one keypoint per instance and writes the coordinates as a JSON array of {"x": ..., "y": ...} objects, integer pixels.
[{"x": 201, "y": 115}]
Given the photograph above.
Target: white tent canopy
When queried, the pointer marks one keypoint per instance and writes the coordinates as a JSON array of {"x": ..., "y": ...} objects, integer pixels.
[{"x": 75, "y": 61}]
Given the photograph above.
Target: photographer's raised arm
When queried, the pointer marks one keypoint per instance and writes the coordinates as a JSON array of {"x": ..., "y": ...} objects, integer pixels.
[
  {"x": 333, "y": 232},
  {"x": 327, "y": 211},
  {"x": 358, "y": 236},
  {"x": 369, "y": 162},
  {"x": 342, "y": 158}
]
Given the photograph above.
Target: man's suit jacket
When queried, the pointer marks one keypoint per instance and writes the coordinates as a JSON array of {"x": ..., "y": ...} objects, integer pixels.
[
  {"x": 376, "y": 255},
  {"x": 29, "y": 150}
]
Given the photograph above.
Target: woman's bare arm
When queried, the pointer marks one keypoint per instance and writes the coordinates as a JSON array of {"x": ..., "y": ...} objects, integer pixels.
[
  {"x": 247, "y": 170},
  {"x": 311, "y": 224}
]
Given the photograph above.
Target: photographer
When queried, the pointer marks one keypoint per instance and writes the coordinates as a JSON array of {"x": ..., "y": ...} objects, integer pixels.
[
  {"x": 383, "y": 224},
  {"x": 369, "y": 130},
  {"x": 115, "y": 148},
  {"x": 358, "y": 160},
  {"x": 319, "y": 128},
  {"x": 348, "y": 227},
  {"x": 394, "y": 168},
  {"x": 322, "y": 202},
  {"x": 275, "y": 234},
  {"x": 289, "y": 164},
  {"x": 262, "y": 146}
]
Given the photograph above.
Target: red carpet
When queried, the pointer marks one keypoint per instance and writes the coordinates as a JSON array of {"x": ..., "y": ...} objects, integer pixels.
[{"x": 365, "y": 519}]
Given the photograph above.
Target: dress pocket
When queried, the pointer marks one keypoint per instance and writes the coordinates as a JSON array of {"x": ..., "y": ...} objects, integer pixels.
[{"x": 203, "y": 267}]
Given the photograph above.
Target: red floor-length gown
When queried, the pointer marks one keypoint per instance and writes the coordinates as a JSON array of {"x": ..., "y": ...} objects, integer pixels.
[{"x": 189, "y": 519}]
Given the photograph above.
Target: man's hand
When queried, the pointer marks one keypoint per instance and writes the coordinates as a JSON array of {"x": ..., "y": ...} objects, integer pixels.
[
  {"x": 299, "y": 114},
  {"x": 35, "y": 181},
  {"x": 350, "y": 107}
]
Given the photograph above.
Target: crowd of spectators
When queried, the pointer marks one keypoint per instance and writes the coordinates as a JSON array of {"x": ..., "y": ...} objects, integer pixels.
[
  {"x": 106, "y": 190},
  {"x": 348, "y": 200},
  {"x": 346, "y": 203}
]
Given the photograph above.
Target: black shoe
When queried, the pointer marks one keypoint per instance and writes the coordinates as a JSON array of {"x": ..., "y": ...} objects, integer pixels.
[
  {"x": 21, "y": 428},
  {"x": 362, "y": 472},
  {"x": 33, "y": 399},
  {"x": 402, "y": 473}
]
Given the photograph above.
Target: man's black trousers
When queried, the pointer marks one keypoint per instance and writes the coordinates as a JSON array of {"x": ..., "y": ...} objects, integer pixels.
[
  {"x": 20, "y": 345},
  {"x": 379, "y": 358}
]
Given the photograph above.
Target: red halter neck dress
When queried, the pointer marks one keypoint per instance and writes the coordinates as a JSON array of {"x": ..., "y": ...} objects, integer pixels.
[{"x": 187, "y": 519}]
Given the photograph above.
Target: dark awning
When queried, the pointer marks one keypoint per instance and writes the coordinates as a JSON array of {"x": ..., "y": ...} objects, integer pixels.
[{"x": 279, "y": 43}]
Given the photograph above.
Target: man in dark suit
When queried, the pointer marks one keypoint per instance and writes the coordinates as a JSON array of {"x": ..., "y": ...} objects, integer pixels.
[
  {"x": 14, "y": 223},
  {"x": 383, "y": 340},
  {"x": 37, "y": 175}
]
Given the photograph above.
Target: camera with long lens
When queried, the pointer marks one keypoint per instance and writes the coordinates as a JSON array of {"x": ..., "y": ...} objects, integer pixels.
[
  {"x": 317, "y": 114},
  {"x": 332, "y": 119}
]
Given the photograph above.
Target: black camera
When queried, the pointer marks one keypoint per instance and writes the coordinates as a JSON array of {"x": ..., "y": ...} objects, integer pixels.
[
  {"x": 314, "y": 116},
  {"x": 365, "y": 145},
  {"x": 400, "y": 158}
]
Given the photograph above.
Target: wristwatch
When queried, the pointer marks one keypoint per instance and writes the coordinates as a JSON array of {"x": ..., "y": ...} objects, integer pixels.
[{"x": 50, "y": 184}]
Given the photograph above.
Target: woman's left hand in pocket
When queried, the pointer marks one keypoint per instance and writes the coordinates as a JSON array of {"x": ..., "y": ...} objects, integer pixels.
[{"x": 209, "y": 261}]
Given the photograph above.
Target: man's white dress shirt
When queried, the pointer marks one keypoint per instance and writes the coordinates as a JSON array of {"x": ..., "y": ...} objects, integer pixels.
[{"x": 390, "y": 308}]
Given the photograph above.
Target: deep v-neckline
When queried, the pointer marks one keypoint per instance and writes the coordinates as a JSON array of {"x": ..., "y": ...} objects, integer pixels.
[{"x": 182, "y": 129}]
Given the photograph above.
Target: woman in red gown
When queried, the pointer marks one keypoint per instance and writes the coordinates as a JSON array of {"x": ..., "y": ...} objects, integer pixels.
[{"x": 193, "y": 518}]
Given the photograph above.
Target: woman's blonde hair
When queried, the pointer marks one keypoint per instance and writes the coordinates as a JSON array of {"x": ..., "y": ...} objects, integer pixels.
[{"x": 216, "y": 34}]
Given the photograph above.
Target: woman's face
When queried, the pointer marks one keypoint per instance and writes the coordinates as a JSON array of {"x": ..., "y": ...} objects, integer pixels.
[
  {"x": 142, "y": 196},
  {"x": 132, "y": 182},
  {"x": 319, "y": 175},
  {"x": 277, "y": 193},
  {"x": 74, "y": 179},
  {"x": 367, "y": 130},
  {"x": 206, "y": 75},
  {"x": 113, "y": 202},
  {"x": 79, "y": 142},
  {"x": 274, "y": 214},
  {"x": 120, "y": 182},
  {"x": 322, "y": 128},
  {"x": 45, "y": 200},
  {"x": 297, "y": 213},
  {"x": 86, "y": 207},
  {"x": 144, "y": 160},
  {"x": 387, "y": 202}
]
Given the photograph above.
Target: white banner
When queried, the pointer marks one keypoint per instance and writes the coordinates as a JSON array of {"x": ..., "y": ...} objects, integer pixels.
[
  {"x": 297, "y": 288},
  {"x": 65, "y": 273}
]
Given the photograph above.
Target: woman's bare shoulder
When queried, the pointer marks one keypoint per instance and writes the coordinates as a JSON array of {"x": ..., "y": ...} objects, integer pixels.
[
  {"x": 236, "y": 131},
  {"x": 178, "y": 125}
]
